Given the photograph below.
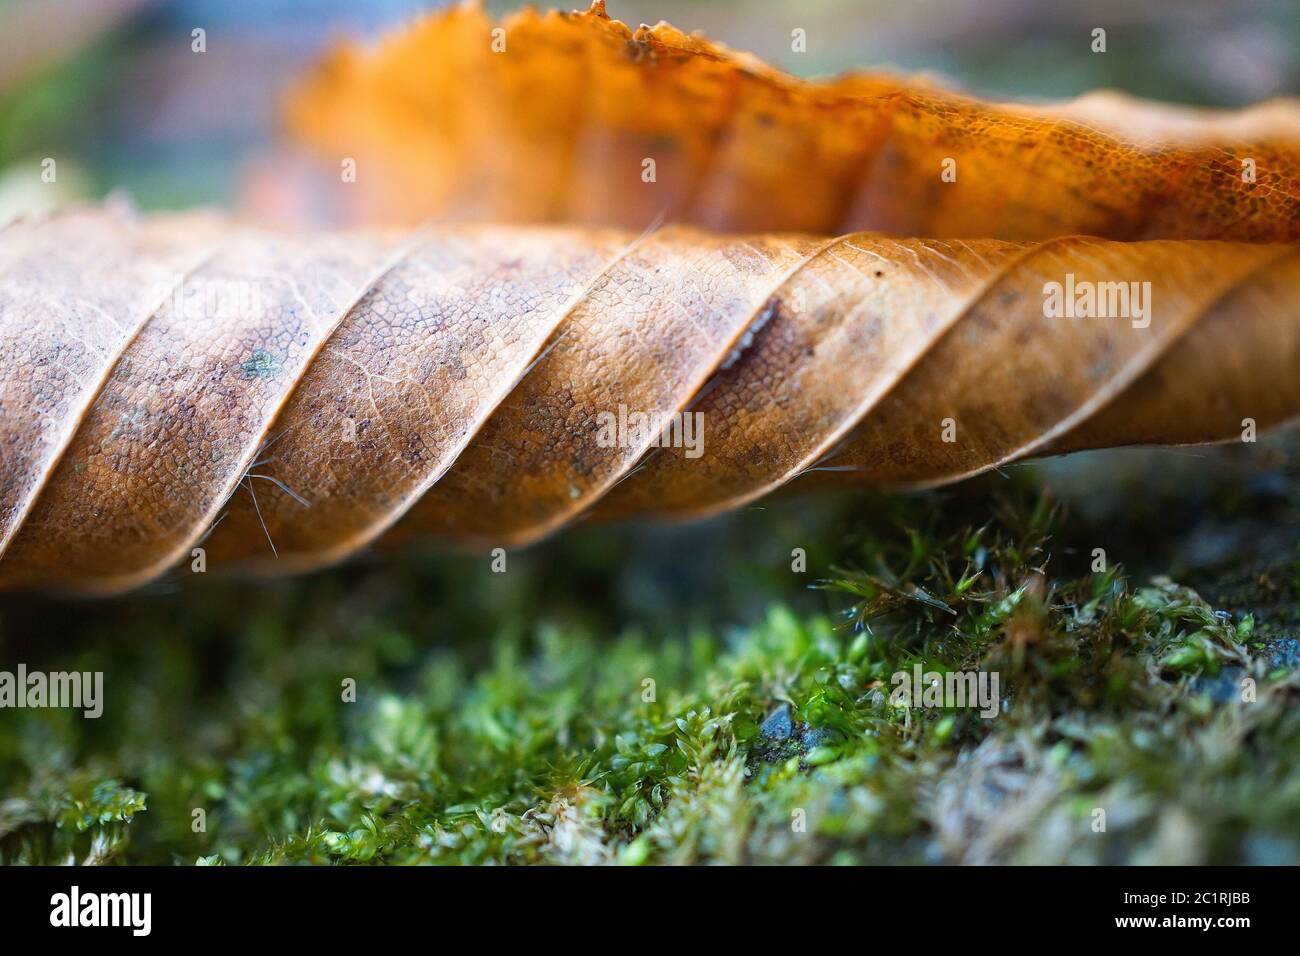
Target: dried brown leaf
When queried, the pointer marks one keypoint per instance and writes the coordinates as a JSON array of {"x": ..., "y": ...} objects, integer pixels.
[{"x": 177, "y": 380}]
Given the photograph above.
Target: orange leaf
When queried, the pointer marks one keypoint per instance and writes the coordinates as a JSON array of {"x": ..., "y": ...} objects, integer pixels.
[{"x": 558, "y": 124}]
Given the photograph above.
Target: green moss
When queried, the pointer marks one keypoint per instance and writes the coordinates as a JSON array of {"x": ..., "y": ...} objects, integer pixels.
[{"x": 648, "y": 696}]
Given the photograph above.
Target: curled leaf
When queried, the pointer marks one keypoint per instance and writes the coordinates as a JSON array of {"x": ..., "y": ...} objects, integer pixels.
[
  {"x": 286, "y": 399},
  {"x": 577, "y": 118}
]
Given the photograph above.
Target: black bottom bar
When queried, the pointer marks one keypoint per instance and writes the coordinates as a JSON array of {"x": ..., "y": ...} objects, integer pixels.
[{"x": 333, "y": 905}]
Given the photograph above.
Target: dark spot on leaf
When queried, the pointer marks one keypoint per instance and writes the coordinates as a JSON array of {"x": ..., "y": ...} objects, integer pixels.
[
  {"x": 261, "y": 364},
  {"x": 639, "y": 50}
]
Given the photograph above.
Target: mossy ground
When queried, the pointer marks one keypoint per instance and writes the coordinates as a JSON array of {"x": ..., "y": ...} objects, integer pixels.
[{"x": 507, "y": 718}]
